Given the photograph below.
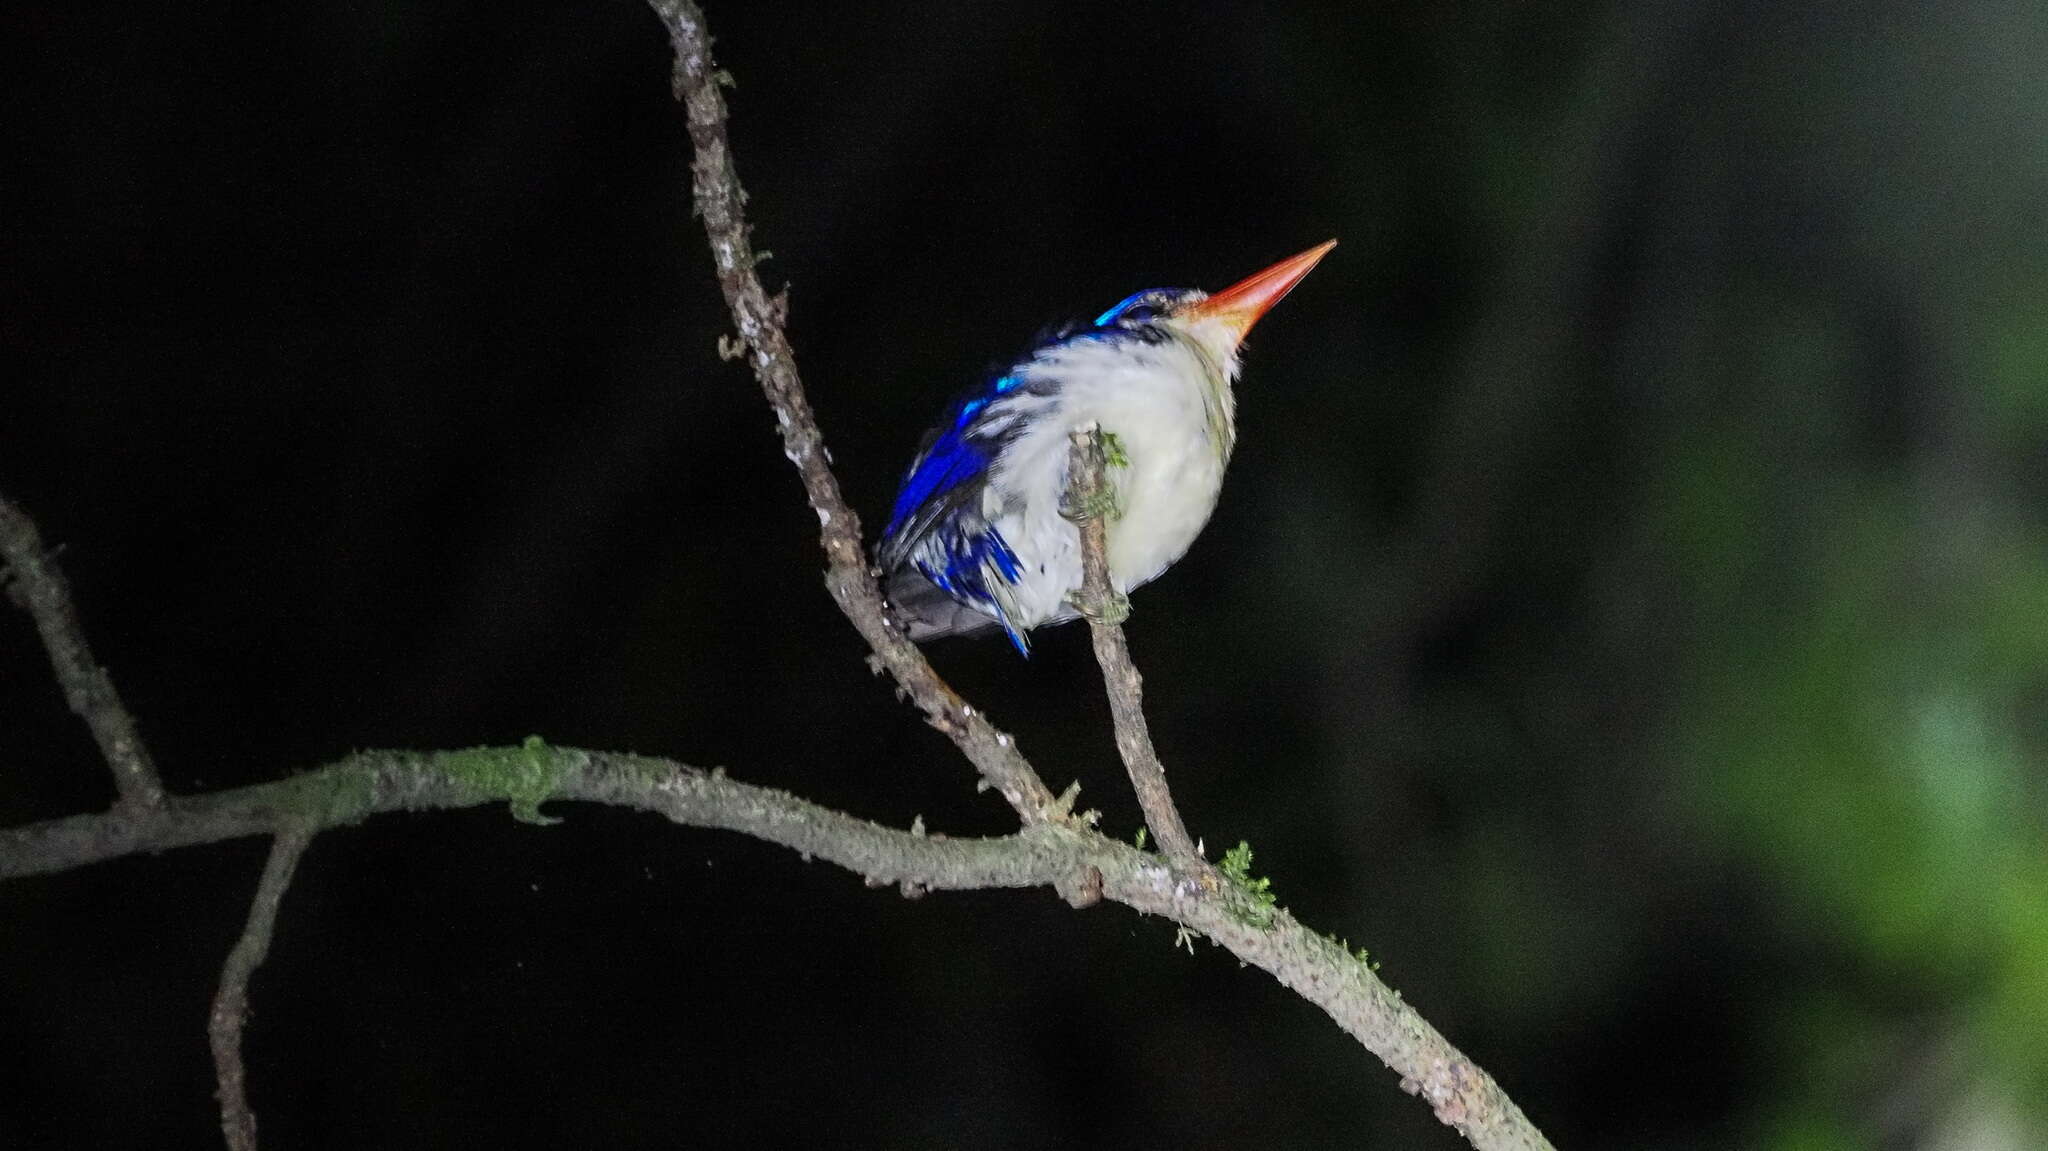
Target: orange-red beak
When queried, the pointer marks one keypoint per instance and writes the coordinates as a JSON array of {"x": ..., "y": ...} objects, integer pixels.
[{"x": 1240, "y": 305}]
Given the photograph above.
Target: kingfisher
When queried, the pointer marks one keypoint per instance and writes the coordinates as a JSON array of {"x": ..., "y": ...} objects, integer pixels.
[{"x": 980, "y": 536}]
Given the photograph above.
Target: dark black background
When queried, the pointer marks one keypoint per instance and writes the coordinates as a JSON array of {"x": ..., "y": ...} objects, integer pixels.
[{"x": 360, "y": 358}]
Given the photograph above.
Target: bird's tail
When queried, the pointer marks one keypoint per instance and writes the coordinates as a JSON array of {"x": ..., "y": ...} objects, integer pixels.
[{"x": 925, "y": 612}]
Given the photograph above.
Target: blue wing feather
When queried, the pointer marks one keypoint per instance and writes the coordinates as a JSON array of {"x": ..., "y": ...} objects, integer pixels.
[
  {"x": 948, "y": 466},
  {"x": 949, "y": 472},
  {"x": 936, "y": 526},
  {"x": 968, "y": 564}
]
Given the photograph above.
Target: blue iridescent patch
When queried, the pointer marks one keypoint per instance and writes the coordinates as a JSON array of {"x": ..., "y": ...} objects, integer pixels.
[
  {"x": 952, "y": 461},
  {"x": 965, "y": 573},
  {"x": 1124, "y": 305}
]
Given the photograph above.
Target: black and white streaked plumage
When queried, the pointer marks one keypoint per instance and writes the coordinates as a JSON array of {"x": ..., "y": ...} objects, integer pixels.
[{"x": 976, "y": 539}]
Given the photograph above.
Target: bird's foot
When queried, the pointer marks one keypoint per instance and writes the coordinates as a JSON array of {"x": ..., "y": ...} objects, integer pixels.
[
  {"x": 1100, "y": 505},
  {"x": 1089, "y": 495},
  {"x": 1115, "y": 610}
]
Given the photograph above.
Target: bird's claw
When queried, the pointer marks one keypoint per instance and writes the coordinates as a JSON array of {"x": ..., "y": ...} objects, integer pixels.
[
  {"x": 1114, "y": 610},
  {"x": 1100, "y": 505}
]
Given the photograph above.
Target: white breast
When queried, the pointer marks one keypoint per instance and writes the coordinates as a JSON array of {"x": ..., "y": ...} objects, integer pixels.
[{"x": 1168, "y": 405}]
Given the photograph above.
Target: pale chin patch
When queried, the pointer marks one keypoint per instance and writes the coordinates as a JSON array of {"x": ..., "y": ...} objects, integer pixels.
[{"x": 1221, "y": 339}]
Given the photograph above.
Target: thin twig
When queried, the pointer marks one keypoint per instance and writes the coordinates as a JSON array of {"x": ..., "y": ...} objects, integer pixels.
[
  {"x": 759, "y": 318},
  {"x": 231, "y": 1002},
  {"x": 40, "y": 588},
  {"x": 1080, "y": 864},
  {"x": 1088, "y": 497}
]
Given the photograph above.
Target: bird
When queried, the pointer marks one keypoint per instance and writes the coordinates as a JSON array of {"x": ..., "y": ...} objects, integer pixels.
[{"x": 977, "y": 539}]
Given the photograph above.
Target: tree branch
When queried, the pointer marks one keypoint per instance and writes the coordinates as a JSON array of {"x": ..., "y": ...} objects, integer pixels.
[
  {"x": 231, "y": 1002},
  {"x": 1079, "y": 863},
  {"x": 719, "y": 199},
  {"x": 39, "y": 587},
  {"x": 1461, "y": 1094},
  {"x": 1089, "y": 505},
  {"x": 1052, "y": 849}
]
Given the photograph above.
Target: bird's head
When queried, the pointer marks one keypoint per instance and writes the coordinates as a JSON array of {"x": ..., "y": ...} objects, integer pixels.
[{"x": 1217, "y": 323}]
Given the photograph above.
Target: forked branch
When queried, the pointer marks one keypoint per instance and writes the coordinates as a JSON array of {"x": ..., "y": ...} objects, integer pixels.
[
  {"x": 1078, "y": 863},
  {"x": 1052, "y": 849},
  {"x": 1461, "y": 1094}
]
